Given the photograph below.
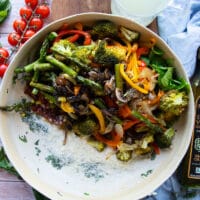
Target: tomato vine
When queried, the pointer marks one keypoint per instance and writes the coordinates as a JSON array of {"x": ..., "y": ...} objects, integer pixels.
[{"x": 31, "y": 20}]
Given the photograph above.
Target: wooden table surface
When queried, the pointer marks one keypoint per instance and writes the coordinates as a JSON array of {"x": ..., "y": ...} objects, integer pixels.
[{"x": 12, "y": 188}]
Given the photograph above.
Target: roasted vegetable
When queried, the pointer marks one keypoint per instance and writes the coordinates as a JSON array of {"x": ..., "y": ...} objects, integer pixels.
[
  {"x": 172, "y": 104},
  {"x": 99, "y": 146},
  {"x": 104, "y": 29},
  {"x": 46, "y": 45},
  {"x": 129, "y": 35},
  {"x": 85, "y": 127},
  {"x": 164, "y": 140},
  {"x": 109, "y": 55},
  {"x": 77, "y": 54},
  {"x": 124, "y": 155}
]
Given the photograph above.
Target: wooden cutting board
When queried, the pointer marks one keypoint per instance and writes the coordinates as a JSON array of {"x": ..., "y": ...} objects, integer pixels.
[{"x": 63, "y": 8}]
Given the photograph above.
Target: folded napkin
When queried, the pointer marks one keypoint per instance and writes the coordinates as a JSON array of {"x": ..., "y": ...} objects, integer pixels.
[{"x": 179, "y": 26}]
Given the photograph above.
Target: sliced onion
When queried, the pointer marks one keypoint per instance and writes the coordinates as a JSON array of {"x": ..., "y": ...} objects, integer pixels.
[{"x": 119, "y": 129}]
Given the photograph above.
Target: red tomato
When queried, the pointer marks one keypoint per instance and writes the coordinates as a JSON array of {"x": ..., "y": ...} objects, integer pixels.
[
  {"x": 35, "y": 24},
  {"x": 19, "y": 25},
  {"x": 43, "y": 11},
  {"x": 4, "y": 54},
  {"x": 3, "y": 68},
  {"x": 13, "y": 38},
  {"x": 28, "y": 34},
  {"x": 31, "y": 3},
  {"x": 25, "y": 13}
]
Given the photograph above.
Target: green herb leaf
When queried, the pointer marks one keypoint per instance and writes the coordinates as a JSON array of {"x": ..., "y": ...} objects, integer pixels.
[{"x": 5, "y": 7}]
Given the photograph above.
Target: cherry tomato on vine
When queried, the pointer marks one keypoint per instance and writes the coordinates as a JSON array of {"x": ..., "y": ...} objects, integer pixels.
[
  {"x": 35, "y": 24},
  {"x": 13, "y": 38},
  {"x": 25, "y": 13},
  {"x": 19, "y": 25},
  {"x": 43, "y": 11},
  {"x": 31, "y": 3},
  {"x": 28, "y": 34},
  {"x": 3, "y": 68},
  {"x": 4, "y": 54}
]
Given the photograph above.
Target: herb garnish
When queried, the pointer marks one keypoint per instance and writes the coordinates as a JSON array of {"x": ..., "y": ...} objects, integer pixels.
[{"x": 23, "y": 138}]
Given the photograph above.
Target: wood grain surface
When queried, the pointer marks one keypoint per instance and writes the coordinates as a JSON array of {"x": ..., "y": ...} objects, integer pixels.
[{"x": 63, "y": 8}]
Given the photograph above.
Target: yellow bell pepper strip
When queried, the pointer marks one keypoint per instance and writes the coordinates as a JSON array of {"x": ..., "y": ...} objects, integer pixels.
[
  {"x": 134, "y": 67},
  {"x": 128, "y": 44},
  {"x": 66, "y": 106},
  {"x": 99, "y": 116},
  {"x": 130, "y": 82}
]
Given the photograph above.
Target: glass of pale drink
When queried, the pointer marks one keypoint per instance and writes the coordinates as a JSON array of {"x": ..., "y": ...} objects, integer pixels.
[{"x": 141, "y": 11}]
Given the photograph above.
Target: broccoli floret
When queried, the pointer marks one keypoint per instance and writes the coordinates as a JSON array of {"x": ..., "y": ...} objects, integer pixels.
[
  {"x": 124, "y": 155},
  {"x": 164, "y": 140},
  {"x": 99, "y": 146},
  {"x": 104, "y": 29},
  {"x": 109, "y": 55},
  {"x": 142, "y": 146},
  {"x": 79, "y": 55},
  {"x": 172, "y": 104},
  {"x": 63, "y": 47},
  {"x": 85, "y": 127},
  {"x": 129, "y": 35},
  {"x": 82, "y": 53}
]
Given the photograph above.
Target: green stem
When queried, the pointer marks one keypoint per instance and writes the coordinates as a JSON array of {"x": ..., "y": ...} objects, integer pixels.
[
  {"x": 43, "y": 66},
  {"x": 61, "y": 66},
  {"x": 118, "y": 77},
  {"x": 49, "y": 98},
  {"x": 94, "y": 85},
  {"x": 43, "y": 87},
  {"x": 152, "y": 126}
]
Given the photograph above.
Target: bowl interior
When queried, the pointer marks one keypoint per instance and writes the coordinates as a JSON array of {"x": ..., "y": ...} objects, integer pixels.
[{"x": 75, "y": 170}]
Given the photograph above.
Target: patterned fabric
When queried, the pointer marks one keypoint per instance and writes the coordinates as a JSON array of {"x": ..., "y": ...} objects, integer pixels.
[{"x": 179, "y": 26}]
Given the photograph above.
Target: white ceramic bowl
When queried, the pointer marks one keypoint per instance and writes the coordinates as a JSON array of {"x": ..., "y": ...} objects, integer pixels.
[{"x": 76, "y": 171}]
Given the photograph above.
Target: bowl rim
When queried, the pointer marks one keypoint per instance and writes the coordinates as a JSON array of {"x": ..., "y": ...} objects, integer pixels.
[{"x": 24, "y": 171}]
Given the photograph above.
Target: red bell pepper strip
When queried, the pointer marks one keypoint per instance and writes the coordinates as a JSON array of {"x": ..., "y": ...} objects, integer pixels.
[
  {"x": 114, "y": 142},
  {"x": 155, "y": 148},
  {"x": 142, "y": 51},
  {"x": 73, "y": 38},
  {"x": 87, "y": 36},
  {"x": 129, "y": 123},
  {"x": 124, "y": 111}
]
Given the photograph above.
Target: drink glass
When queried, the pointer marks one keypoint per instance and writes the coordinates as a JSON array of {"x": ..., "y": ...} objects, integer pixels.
[{"x": 141, "y": 11}]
